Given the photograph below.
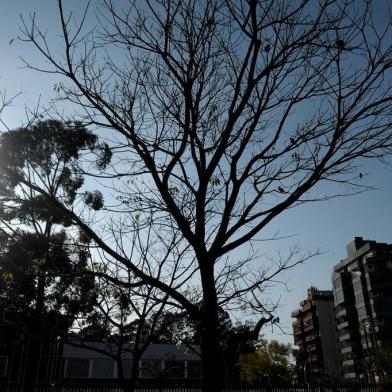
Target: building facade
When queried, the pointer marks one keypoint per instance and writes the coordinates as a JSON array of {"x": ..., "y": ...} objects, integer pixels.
[
  {"x": 315, "y": 334},
  {"x": 362, "y": 287},
  {"x": 97, "y": 360}
]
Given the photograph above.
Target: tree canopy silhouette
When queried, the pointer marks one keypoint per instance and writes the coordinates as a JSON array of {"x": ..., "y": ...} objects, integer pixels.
[{"x": 221, "y": 115}]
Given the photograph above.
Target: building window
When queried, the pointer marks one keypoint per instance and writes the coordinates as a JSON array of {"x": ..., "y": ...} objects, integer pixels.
[
  {"x": 381, "y": 279},
  {"x": 77, "y": 368},
  {"x": 339, "y": 297},
  {"x": 194, "y": 369},
  {"x": 3, "y": 366},
  {"x": 150, "y": 369},
  {"x": 357, "y": 284},
  {"x": 103, "y": 368},
  {"x": 362, "y": 312},
  {"x": 359, "y": 299},
  {"x": 337, "y": 283},
  {"x": 383, "y": 307},
  {"x": 175, "y": 369}
]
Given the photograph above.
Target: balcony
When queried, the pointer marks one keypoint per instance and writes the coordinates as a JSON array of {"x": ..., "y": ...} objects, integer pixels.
[
  {"x": 312, "y": 347},
  {"x": 344, "y": 337},
  {"x": 298, "y": 340},
  {"x": 306, "y": 307},
  {"x": 308, "y": 318},
  {"x": 342, "y": 325},
  {"x": 297, "y": 331},
  {"x": 296, "y": 313},
  {"x": 309, "y": 327},
  {"x": 341, "y": 312},
  {"x": 348, "y": 362},
  {"x": 350, "y": 376},
  {"x": 348, "y": 347},
  {"x": 346, "y": 350}
]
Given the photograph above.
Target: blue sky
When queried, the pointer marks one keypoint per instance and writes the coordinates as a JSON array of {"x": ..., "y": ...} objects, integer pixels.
[{"x": 328, "y": 225}]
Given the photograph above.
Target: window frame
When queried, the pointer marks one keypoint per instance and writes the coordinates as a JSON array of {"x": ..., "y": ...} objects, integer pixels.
[
  {"x": 78, "y": 359},
  {"x": 5, "y": 366},
  {"x": 114, "y": 370}
]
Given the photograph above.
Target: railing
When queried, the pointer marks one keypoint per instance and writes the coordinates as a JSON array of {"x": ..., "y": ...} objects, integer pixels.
[{"x": 104, "y": 387}]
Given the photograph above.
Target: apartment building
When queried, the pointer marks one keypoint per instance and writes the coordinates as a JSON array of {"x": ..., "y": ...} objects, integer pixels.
[
  {"x": 362, "y": 287},
  {"x": 315, "y": 334}
]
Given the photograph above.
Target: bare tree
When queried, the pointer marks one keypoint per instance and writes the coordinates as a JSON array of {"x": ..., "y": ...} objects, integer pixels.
[
  {"x": 221, "y": 116},
  {"x": 132, "y": 317},
  {"x": 132, "y": 320}
]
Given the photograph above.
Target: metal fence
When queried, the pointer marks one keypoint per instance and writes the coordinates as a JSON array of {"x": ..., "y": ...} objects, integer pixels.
[{"x": 103, "y": 387}]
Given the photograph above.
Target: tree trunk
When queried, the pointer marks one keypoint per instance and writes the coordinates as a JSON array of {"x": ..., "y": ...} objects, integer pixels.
[
  {"x": 120, "y": 368},
  {"x": 212, "y": 363},
  {"x": 120, "y": 373},
  {"x": 211, "y": 352},
  {"x": 134, "y": 372}
]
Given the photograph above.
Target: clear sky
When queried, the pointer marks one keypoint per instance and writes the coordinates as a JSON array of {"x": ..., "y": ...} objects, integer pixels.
[{"x": 328, "y": 226}]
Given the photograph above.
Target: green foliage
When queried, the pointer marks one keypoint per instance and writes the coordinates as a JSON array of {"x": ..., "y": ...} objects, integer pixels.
[
  {"x": 97, "y": 328},
  {"x": 270, "y": 363},
  {"x": 94, "y": 200},
  {"x": 46, "y": 154},
  {"x": 42, "y": 208},
  {"x": 42, "y": 266},
  {"x": 176, "y": 328},
  {"x": 380, "y": 359},
  {"x": 43, "y": 145},
  {"x": 27, "y": 258},
  {"x": 104, "y": 156}
]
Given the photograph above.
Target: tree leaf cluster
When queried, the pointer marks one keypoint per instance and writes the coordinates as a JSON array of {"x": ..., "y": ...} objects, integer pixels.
[{"x": 271, "y": 363}]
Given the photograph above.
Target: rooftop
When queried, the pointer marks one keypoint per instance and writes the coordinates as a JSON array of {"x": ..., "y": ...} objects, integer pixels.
[
  {"x": 357, "y": 248},
  {"x": 91, "y": 350}
]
